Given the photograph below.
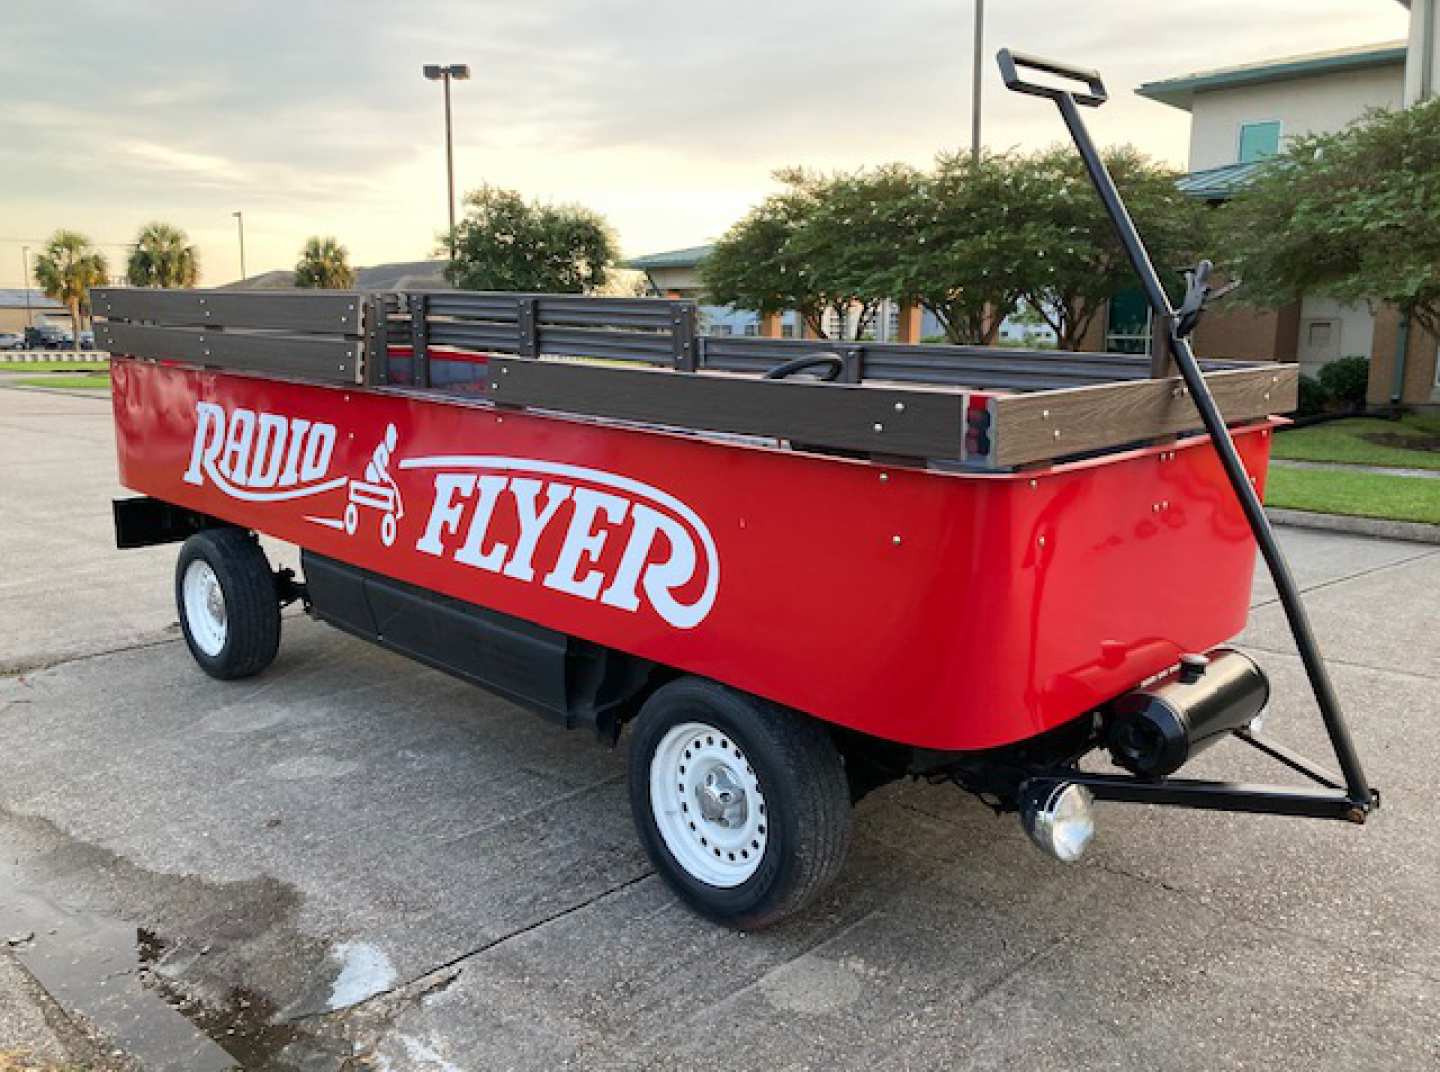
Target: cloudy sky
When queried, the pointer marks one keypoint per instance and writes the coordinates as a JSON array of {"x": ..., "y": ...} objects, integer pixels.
[{"x": 313, "y": 117}]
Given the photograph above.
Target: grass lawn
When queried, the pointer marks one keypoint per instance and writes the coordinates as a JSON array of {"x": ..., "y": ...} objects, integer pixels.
[
  {"x": 1329, "y": 491},
  {"x": 50, "y": 366},
  {"x": 1341, "y": 441},
  {"x": 100, "y": 380}
]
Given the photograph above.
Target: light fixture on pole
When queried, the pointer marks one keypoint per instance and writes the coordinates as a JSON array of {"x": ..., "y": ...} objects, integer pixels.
[
  {"x": 444, "y": 73},
  {"x": 240, "y": 222}
]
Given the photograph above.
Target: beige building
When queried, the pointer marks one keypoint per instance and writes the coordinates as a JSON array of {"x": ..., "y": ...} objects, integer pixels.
[
  {"x": 1241, "y": 115},
  {"x": 18, "y": 309}
]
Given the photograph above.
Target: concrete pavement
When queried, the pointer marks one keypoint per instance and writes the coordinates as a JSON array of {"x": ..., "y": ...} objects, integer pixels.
[{"x": 354, "y": 862}]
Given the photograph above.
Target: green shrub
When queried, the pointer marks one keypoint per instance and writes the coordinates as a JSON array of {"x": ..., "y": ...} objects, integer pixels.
[
  {"x": 1346, "y": 381},
  {"x": 1313, "y": 397}
]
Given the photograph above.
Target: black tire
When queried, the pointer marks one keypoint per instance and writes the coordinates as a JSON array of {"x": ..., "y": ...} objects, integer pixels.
[
  {"x": 806, "y": 800},
  {"x": 251, "y": 603}
]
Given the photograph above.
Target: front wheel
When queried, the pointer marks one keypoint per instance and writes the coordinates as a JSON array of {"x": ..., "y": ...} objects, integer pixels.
[
  {"x": 228, "y": 603},
  {"x": 742, "y": 806}
]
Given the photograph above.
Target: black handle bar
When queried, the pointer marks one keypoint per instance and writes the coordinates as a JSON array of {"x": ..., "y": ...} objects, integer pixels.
[
  {"x": 1357, "y": 788},
  {"x": 1011, "y": 62}
]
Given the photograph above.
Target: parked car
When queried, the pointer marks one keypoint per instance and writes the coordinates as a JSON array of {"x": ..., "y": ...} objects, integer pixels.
[
  {"x": 11, "y": 340},
  {"x": 87, "y": 340},
  {"x": 46, "y": 337}
]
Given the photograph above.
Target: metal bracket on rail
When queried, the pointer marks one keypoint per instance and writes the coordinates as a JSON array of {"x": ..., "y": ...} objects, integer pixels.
[{"x": 1198, "y": 296}]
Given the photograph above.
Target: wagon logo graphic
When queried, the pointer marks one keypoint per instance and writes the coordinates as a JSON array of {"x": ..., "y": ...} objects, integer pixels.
[
  {"x": 583, "y": 532},
  {"x": 266, "y": 457}
]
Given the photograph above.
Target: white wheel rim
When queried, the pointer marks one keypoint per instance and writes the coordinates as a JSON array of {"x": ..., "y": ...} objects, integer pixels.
[
  {"x": 204, "y": 607},
  {"x": 707, "y": 805}
]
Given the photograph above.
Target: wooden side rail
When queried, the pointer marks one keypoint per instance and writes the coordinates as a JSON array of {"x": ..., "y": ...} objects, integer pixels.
[
  {"x": 979, "y": 428},
  {"x": 309, "y": 334}
]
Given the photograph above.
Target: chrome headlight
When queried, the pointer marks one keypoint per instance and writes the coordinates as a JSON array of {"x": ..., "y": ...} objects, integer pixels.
[{"x": 1059, "y": 818}]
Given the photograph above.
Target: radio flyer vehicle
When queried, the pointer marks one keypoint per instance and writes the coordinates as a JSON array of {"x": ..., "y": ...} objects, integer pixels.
[{"x": 790, "y": 570}]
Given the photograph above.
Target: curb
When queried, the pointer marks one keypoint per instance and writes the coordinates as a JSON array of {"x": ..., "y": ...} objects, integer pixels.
[
  {"x": 43, "y": 1031},
  {"x": 1413, "y": 531}
]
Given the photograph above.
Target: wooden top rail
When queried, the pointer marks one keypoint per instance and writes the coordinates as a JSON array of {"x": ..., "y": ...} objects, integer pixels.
[
  {"x": 984, "y": 407},
  {"x": 309, "y": 334},
  {"x": 321, "y": 312},
  {"x": 980, "y": 428}
]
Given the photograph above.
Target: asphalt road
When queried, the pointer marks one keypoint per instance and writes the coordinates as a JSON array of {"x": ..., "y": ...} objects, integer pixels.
[{"x": 460, "y": 879}]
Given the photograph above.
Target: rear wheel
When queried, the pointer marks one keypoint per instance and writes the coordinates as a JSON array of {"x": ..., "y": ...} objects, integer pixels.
[
  {"x": 743, "y": 806},
  {"x": 228, "y": 603}
]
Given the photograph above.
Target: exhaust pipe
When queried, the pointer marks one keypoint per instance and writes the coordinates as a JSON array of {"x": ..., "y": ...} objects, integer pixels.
[{"x": 1155, "y": 729}]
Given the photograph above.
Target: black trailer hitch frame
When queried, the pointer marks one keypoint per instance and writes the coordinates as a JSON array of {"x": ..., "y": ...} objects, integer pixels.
[{"x": 1347, "y": 796}]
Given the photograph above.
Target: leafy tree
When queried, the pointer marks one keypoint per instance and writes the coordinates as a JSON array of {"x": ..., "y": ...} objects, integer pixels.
[
  {"x": 1074, "y": 262},
  {"x": 1354, "y": 215},
  {"x": 963, "y": 243},
  {"x": 820, "y": 246},
  {"x": 163, "y": 257},
  {"x": 507, "y": 243},
  {"x": 324, "y": 263},
  {"x": 755, "y": 266},
  {"x": 66, "y": 270},
  {"x": 850, "y": 228}
]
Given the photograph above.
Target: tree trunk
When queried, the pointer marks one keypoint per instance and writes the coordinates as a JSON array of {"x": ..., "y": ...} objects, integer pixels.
[{"x": 74, "y": 304}]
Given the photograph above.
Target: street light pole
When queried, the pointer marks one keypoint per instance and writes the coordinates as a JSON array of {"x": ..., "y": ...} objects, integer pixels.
[
  {"x": 240, "y": 222},
  {"x": 975, "y": 81},
  {"x": 25, "y": 260},
  {"x": 444, "y": 73}
]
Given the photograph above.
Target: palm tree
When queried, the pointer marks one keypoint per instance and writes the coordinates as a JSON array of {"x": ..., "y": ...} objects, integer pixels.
[
  {"x": 163, "y": 257},
  {"x": 66, "y": 270},
  {"x": 324, "y": 263}
]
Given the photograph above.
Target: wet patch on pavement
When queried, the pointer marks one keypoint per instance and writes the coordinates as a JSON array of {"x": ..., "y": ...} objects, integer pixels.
[{"x": 178, "y": 973}]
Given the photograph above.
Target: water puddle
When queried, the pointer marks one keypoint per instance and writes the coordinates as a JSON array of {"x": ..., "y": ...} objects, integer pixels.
[{"x": 96, "y": 967}]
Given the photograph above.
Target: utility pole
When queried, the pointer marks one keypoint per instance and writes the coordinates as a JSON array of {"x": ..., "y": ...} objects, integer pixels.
[
  {"x": 240, "y": 222},
  {"x": 444, "y": 73},
  {"x": 25, "y": 260},
  {"x": 975, "y": 81}
]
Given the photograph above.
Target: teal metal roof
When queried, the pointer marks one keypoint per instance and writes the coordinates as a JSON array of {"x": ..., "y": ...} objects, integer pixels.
[
  {"x": 675, "y": 258},
  {"x": 1218, "y": 183},
  {"x": 1179, "y": 92}
]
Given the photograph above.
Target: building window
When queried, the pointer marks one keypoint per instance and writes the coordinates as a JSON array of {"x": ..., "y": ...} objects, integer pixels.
[
  {"x": 787, "y": 331},
  {"x": 1259, "y": 141},
  {"x": 722, "y": 330},
  {"x": 752, "y": 329},
  {"x": 1128, "y": 323}
]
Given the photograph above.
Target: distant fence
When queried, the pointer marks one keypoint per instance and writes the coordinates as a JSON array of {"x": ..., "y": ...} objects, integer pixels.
[{"x": 94, "y": 356}]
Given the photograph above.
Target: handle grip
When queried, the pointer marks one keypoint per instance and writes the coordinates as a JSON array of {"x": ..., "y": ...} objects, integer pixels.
[{"x": 1011, "y": 62}]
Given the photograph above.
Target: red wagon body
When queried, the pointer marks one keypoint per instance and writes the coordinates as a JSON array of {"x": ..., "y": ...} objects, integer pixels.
[
  {"x": 947, "y": 610},
  {"x": 795, "y": 569}
]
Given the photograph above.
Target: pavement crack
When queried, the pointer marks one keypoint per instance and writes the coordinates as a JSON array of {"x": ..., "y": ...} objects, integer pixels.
[
  {"x": 520, "y": 932},
  {"x": 550, "y": 802},
  {"x": 1348, "y": 664},
  {"x": 1024, "y": 963},
  {"x": 1229, "y": 915},
  {"x": 406, "y": 991},
  {"x": 19, "y": 667},
  {"x": 1319, "y": 585}
]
